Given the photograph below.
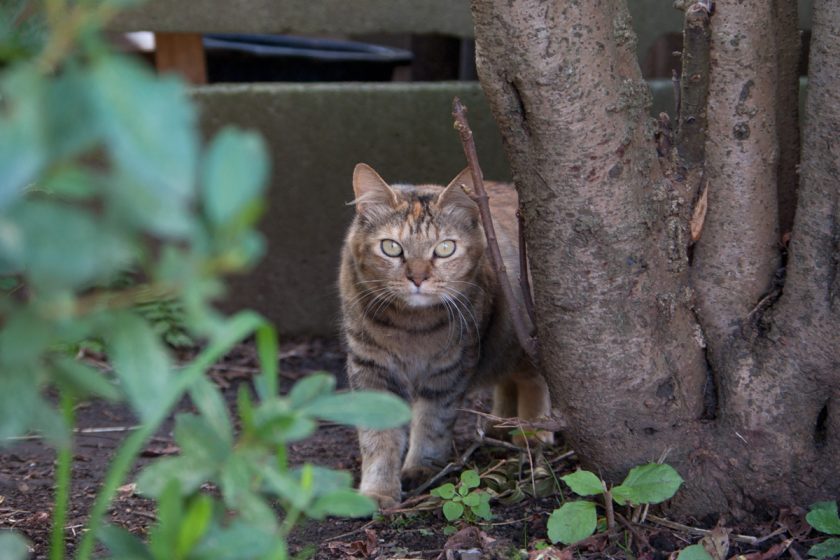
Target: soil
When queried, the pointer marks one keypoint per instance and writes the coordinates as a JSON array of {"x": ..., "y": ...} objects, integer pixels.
[{"x": 417, "y": 530}]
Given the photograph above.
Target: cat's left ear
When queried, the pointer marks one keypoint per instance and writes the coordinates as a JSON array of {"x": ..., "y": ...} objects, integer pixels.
[{"x": 457, "y": 193}]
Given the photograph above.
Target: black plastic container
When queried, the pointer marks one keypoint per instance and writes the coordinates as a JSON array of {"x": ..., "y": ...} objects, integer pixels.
[{"x": 281, "y": 58}]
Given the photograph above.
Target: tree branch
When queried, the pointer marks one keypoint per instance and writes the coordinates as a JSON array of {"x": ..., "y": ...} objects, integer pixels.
[
  {"x": 736, "y": 259},
  {"x": 694, "y": 87},
  {"x": 518, "y": 318}
]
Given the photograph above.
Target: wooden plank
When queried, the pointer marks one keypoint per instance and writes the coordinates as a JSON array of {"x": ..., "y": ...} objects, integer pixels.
[{"x": 182, "y": 53}]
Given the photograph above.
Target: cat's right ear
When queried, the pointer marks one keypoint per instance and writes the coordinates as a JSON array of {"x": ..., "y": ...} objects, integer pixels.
[{"x": 371, "y": 190}]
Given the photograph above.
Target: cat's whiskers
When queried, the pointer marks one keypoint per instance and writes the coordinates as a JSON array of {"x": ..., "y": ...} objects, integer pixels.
[
  {"x": 384, "y": 301},
  {"x": 359, "y": 297},
  {"x": 460, "y": 297},
  {"x": 471, "y": 284},
  {"x": 453, "y": 312}
]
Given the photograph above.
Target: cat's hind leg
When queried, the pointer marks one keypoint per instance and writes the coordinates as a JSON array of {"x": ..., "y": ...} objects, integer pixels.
[{"x": 532, "y": 401}]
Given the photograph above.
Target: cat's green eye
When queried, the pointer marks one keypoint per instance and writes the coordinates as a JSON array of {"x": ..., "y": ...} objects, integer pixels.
[
  {"x": 391, "y": 248},
  {"x": 445, "y": 249}
]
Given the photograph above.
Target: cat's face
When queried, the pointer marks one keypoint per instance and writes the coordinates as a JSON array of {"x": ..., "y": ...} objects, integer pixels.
[{"x": 415, "y": 245}]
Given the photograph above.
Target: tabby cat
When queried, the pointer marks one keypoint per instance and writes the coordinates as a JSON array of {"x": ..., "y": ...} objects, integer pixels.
[{"x": 424, "y": 318}]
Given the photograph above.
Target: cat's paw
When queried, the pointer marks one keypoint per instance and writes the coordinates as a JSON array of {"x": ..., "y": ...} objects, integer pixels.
[
  {"x": 383, "y": 501},
  {"x": 540, "y": 437},
  {"x": 413, "y": 477}
]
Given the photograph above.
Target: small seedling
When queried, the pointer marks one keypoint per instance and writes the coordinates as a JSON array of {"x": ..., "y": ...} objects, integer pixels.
[
  {"x": 464, "y": 501},
  {"x": 823, "y": 517},
  {"x": 646, "y": 484}
]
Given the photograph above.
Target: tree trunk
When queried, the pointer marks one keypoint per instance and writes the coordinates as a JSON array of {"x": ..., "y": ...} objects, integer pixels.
[{"x": 649, "y": 353}]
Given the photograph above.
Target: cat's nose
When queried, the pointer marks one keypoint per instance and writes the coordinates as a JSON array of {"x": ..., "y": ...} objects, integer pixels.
[
  {"x": 417, "y": 272},
  {"x": 417, "y": 278}
]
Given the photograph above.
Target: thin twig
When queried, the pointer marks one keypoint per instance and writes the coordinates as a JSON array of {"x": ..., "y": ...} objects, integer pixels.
[
  {"x": 697, "y": 531},
  {"x": 353, "y": 532},
  {"x": 448, "y": 469},
  {"x": 643, "y": 541},
  {"x": 524, "y": 277},
  {"x": 518, "y": 318},
  {"x": 608, "y": 506}
]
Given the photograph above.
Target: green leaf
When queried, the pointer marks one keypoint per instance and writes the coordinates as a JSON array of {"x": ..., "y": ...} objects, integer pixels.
[
  {"x": 71, "y": 125},
  {"x": 447, "y": 491},
  {"x": 470, "y": 479},
  {"x": 482, "y": 510},
  {"x": 311, "y": 387},
  {"x": 200, "y": 441},
  {"x": 132, "y": 203},
  {"x": 122, "y": 544},
  {"x": 572, "y": 522},
  {"x": 13, "y": 546},
  {"x": 234, "y": 173},
  {"x": 254, "y": 509},
  {"x": 287, "y": 486},
  {"x": 453, "y": 511},
  {"x": 19, "y": 402},
  {"x": 67, "y": 248},
  {"x": 274, "y": 422},
  {"x": 239, "y": 541},
  {"x": 829, "y": 548},
  {"x": 23, "y": 338},
  {"x": 472, "y": 499},
  {"x": 82, "y": 380},
  {"x": 694, "y": 552},
  {"x": 70, "y": 182},
  {"x": 344, "y": 503},
  {"x": 373, "y": 410},
  {"x": 267, "y": 354},
  {"x": 23, "y": 150},
  {"x": 145, "y": 120},
  {"x": 584, "y": 483},
  {"x": 163, "y": 536},
  {"x": 195, "y": 524},
  {"x": 209, "y": 401},
  {"x": 141, "y": 363},
  {"x": 823, "y": 517},
  {"x": 190, "y": 473},
  {"x": 326, "y": 480},
  {"x": 648, "y": 484}
]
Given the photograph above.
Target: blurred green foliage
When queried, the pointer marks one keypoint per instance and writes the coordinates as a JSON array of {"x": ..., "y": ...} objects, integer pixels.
[{"x": 102, "y": 170}]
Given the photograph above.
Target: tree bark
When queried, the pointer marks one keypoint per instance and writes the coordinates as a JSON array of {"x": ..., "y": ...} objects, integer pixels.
[{"x": 632, "y": 333}]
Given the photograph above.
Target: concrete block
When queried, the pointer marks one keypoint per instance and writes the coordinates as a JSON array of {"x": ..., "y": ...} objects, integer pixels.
[
  {"x": 325, "y": 17},
  {"x": 316, "y": 134}
]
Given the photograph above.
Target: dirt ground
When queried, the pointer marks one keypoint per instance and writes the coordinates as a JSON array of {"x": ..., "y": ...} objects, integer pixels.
[{"x": 418, "y": 530}]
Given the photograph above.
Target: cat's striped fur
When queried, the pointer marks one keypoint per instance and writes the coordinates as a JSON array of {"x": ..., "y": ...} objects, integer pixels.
[{"x": 425, "y": 324}]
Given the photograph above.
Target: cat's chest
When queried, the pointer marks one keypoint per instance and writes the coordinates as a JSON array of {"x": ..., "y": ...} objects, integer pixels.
[{"x": 419, "y": 347}]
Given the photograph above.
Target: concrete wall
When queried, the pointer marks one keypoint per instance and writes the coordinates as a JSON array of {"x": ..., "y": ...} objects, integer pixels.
[
  {"x": 317, "y": 134},
  {"x": 319, "y": 17}
]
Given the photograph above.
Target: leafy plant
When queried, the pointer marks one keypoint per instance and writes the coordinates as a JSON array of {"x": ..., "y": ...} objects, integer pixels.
[
  {"x": 102, "y": 170},
  {"x": 464, "y": 501},
  {"x": 823, "y": 517},
  {"x": 576, "y": 520},
  {"x": 251, "y": 472}
]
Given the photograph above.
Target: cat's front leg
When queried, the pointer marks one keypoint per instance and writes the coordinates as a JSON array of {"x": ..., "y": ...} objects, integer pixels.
[
  {"x": 382, "y": 452},
  {"x": 432, "y": 419}
]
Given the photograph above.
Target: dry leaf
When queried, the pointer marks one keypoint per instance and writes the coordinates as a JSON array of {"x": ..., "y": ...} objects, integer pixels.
[
  {"x": 698, "y": 217},
  {"x": 127, "y": 489},
  {"x": 551, "y": 553},
  {"x": 716, "y": 543}
]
